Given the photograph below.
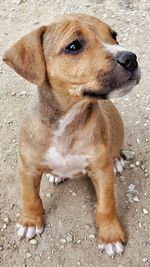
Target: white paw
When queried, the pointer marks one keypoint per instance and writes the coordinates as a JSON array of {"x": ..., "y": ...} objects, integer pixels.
[
  {"x": 118, "y": 165},
  {"x": 28, "y": 232},
  {"x": 54, "y": 179},
  {"x": 112, "y": 249}
]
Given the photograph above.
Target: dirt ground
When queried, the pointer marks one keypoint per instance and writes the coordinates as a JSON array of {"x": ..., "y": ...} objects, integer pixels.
[{"x": 69, "y": 239}]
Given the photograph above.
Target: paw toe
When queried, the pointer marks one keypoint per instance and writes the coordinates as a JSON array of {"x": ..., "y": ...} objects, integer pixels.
[
  {"x": 118, "y": 165},
  {"x": 28, "y": 232},
  {"x": 53, "y": 179},
  {"x": 112, "y": 249}
]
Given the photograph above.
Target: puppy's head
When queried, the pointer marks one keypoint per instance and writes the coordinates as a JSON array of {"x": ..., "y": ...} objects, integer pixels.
[{"x": 79, "y": 55}]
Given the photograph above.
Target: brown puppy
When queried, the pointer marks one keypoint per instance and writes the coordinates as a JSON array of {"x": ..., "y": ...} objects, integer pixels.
[{"x": 76, "y": 62}]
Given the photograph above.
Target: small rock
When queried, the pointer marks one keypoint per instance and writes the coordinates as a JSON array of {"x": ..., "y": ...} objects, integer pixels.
[
  {"x": 143, "y": 167},
  {"x": 78, "y": 242},
  {"x": 4, "y": 226},
  {"x": 132, "y": 165},
  {"x": 74, "y": 194},
  {"x": 137, "y": 163},
  {"x": 63, "y": 240},
  {"x": 131, "y": 188},
  {"x": 145, "y": 211},
  {"x": 36, "y": 22},
  {"x": 13, "y": 94},
  {"x": 48, "y": 195},
  {"x": 78, "y": 263},
  {"x": 23, "y": 93},
  {"x": 130, "y": 199},
  {"x": 33, "y": 242},
  {"x": 28, "y": 255},
  {"x": 69, "y": 238},
  {"x": 128, "y": 154},
  {"x": 92, "y": 236},
  {"x": 1, "y": 248},
  {"x": 145, "y": 260},
  {"x": 140, "y": 225},
  {"x": 136, "y": 199},
  {"x": 87, "y": 226},
  {"x": 6, "y": 220}
]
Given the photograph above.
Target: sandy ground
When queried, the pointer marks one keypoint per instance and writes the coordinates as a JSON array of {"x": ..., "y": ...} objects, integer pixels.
[{"x": 70, "y": 235}]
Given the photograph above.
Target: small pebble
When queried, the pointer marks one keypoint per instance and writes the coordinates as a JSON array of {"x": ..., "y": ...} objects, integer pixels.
[
  {"x": 128, "y": 154},
  {"x": 33, "y": 242},
  {"x": 78, "y": 242},
  {"x": 145, "y": 211},
  {"x": 69, "y": 238},
  {"x": 4, "y": 226},
  {"x": 87, "y": 226},
  {"x": 132, "y": 165},
  {"x": 136, "y": 199},
  {"x": 6, "y": 220},
  {"x": 140, "y": 225},
  {"x": 131, "y": 188},
  {"x": 36, "y": 22},
  {"x": 48, "y": 195},
  {"x": 23, "y": 93},
  {"x": 130, "y": 199},
  {"x": 28, "y": 255},
  {"x": 137, "y": 163},
  {"x": 13, "y": 94},
  {"x": 78, "y": 263},
  {"x": 63, "y": 240},
  {"x": 145, "y": 260},
  {"x": 92, "y": 236},
  {"x": 1, "y": 248}
]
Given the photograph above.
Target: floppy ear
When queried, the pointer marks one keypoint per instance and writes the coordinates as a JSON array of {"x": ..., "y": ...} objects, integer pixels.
[{"x": 26, "y": 57}]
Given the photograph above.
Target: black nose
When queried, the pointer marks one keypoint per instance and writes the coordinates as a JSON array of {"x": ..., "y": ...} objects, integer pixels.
[{"x": 127, "y": 60}]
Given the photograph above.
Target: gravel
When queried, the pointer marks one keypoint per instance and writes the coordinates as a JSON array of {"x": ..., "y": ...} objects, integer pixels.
[{"x": 131, "y": 20}]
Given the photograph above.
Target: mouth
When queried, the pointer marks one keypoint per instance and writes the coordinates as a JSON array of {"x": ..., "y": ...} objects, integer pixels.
[{"x": 118, "y": 91}]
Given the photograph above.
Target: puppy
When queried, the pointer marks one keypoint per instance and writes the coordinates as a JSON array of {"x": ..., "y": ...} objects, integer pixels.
[{"x": 77, "y": 64}]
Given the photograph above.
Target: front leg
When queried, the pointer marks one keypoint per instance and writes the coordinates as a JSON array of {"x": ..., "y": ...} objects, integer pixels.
[
  {"x": 31, "y": 219},
  {"x": 111, "y": 235}
]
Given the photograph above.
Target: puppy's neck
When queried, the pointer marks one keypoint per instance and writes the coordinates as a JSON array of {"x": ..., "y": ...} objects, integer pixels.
[
  {"x": 65, "y": 109},
  {"x": 48, "y": 106}
]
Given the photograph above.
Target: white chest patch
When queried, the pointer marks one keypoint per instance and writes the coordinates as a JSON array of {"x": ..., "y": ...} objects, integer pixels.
[
  {"x": 66, "y": 166},
  {"x": 65, "y": 162}
]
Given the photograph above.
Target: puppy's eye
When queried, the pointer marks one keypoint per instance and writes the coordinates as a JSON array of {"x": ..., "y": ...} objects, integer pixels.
[
  {"x": 74, "y": 48},
  {"x": 114, "y": 35}
]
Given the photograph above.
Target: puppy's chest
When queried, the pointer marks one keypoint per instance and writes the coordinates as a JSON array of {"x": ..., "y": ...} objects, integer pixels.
[{"x": 66, "y": 164}]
